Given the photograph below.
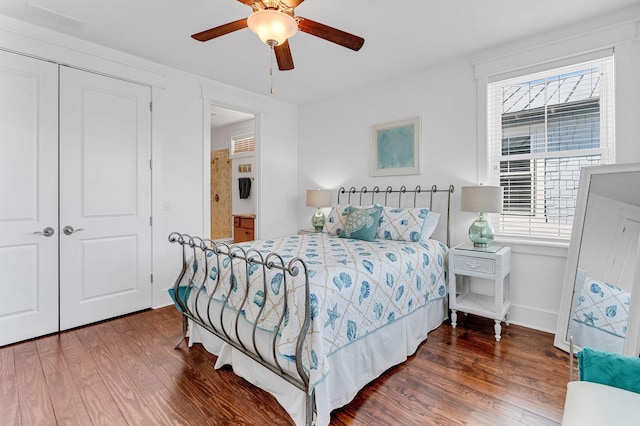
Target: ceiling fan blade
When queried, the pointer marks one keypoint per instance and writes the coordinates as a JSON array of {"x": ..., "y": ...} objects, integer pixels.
[
  {"x": 293, "y": 3},
  {"x": 221, "y": 30},
  {"x": 331, "y": 34},
  {"x": 283, "y": 56}
]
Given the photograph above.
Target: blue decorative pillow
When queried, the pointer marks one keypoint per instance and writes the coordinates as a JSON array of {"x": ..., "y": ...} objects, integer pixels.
[
  {"x": 603, "y": 306},
  {"x": 361, "y": 223},
  {"x": 402, "y": 224},
  {"x": 335, "y": 221}
]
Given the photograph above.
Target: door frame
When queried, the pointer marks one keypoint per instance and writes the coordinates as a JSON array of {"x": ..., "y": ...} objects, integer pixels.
[{"x": 206, "y": 163}]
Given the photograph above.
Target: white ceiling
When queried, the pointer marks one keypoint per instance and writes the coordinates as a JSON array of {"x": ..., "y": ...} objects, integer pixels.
[
  {"x": 221, "y": 117},
  {"x": 400, "y": 36}
]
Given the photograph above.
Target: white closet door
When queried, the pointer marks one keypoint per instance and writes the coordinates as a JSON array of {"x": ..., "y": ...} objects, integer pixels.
[
  {"x": 28, "y": 198},
  {"x": 105, "y": 197}
]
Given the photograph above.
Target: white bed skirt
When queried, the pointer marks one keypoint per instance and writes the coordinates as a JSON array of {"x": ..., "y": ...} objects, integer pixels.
[{"x": 351, "y": 368}]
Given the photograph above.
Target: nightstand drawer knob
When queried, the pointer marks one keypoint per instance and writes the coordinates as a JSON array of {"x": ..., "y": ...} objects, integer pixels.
[{"x": 473, "y": 265}]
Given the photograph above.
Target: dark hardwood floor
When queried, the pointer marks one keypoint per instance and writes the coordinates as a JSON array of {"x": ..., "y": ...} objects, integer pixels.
[{"x": 125, "y": 371}]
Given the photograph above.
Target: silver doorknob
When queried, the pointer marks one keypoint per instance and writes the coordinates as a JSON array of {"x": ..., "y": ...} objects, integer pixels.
[
  {"x": 68, "y": 230},
  {"x": 47, "y": 232}
]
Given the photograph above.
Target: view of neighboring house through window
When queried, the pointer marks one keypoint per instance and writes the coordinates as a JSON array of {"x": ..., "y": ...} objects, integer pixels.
[{"x": 543, "y": 128}]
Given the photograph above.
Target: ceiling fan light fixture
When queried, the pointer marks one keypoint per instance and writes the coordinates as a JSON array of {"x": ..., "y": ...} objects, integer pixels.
[{"x": 272, "y": 26}]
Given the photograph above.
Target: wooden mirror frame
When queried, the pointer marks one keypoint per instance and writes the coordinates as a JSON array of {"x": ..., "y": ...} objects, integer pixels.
[{"x": 632, "y": 338}]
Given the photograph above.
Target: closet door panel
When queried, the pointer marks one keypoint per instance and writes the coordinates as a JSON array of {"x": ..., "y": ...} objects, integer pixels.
[
  {"x": 105, "y": 193},
  {"x": 28, "y": 198}
]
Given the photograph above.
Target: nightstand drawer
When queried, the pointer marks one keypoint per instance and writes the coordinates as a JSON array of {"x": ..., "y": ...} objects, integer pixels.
[{"x": 476, "y": 264}]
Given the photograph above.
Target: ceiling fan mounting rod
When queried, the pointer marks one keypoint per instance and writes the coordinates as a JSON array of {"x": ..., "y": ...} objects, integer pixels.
[{"x": 278, "y": 5}]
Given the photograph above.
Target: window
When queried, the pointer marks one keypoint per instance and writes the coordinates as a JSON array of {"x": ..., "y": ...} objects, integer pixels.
[
  {"x": 242, "y": 145},
  {"x": 542, "y": 129}
]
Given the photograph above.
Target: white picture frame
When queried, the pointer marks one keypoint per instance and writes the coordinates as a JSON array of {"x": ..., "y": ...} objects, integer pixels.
[{"x": 395, "y": 148}]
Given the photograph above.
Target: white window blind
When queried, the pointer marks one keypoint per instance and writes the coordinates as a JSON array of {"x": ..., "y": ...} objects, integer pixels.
[
  {"x": 242, "y": 144},
  {"x": 542, "y": 129}
]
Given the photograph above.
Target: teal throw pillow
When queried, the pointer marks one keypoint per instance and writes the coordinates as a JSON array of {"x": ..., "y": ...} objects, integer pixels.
[
  {"x": 183, "y": 295},
  {"x": 361, "y": 223},
  {"x": 609, "y": 369}
]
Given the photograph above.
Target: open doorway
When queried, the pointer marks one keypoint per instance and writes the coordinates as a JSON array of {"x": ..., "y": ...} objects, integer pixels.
[{"x": 232, "y": 195}]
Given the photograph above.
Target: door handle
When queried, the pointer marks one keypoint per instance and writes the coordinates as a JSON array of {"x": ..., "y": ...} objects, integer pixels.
[
  {"x": 216, "y": 198},
  {"x": 68, "y": 230},
  {"x": 47, "y": 232}
]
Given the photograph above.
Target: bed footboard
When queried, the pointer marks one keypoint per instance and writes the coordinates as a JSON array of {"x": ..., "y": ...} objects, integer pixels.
[{"x": 248, "y": 305}]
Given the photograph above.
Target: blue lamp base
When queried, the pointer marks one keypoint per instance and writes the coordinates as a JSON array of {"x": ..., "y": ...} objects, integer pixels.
[{"x": 481, "y": 232}]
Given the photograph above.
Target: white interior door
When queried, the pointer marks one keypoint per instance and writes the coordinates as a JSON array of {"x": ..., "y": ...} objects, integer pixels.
[
  {"x": 28, "y": 198},
  {"x": 105, "y": 197}
]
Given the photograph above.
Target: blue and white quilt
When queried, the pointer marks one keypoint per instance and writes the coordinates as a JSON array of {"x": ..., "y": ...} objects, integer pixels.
[
  {"x": 356, "y": 288},
  {"x": 603, "y": 306}
]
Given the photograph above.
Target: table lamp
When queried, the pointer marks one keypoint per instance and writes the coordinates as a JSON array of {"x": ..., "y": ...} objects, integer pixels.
[
  {"x": 481, "y": 199},
  {"x": 318, "y": 198}
]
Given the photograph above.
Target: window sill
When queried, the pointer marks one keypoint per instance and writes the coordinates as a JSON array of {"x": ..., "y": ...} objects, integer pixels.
[{"x": 536, "y": 246}]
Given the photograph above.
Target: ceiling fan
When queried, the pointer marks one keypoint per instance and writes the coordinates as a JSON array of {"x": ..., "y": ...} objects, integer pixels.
[{"x": 274, "y": 22}]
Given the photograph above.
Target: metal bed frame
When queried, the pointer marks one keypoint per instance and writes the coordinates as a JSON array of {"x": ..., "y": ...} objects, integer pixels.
[{"x": 215, "y": 253}]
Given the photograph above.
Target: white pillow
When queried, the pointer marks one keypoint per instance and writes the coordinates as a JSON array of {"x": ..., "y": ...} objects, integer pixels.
[
  {"x": 429, "y": 225},
  {"x": 401, "y": 224},
  {"x": 336, "y": 219}
]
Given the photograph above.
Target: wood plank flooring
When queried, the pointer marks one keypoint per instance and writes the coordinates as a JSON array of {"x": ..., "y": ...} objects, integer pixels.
[{"x": 126, "y": 372}]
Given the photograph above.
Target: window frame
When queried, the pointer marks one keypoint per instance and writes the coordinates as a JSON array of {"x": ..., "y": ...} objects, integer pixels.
[
  {"x": 485, "y": 167},
  {"x": 238, "y": 138}
]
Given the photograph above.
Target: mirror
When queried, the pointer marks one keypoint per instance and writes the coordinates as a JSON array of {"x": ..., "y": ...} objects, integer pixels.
[{"x": 600, "y": 300}]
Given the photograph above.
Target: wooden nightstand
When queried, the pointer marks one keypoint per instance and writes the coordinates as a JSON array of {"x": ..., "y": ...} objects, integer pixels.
[
  {"x": 492, "y": 263},
  {"x": 243, "y": 228}
]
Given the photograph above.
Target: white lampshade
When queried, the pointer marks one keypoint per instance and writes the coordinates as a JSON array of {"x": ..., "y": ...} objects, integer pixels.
[
  {"x": 485, "y": 199},
  {"x": 318, "y": 198},
  {"x": 273, "y": 27}
]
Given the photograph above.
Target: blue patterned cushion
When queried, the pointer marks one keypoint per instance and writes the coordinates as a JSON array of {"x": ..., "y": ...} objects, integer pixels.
[
  {"x": 335, "y": 221},
  {"x": 603, "y": 306},
  {"x": 401, "y": 224},
  {"x": 361, "y": 223}
]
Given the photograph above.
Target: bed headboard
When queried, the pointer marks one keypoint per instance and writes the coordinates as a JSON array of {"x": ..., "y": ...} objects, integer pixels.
[{"x": 402, "y": 197}]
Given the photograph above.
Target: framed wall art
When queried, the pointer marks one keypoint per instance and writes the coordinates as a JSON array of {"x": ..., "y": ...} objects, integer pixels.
[{"x": 395, "y": 148}]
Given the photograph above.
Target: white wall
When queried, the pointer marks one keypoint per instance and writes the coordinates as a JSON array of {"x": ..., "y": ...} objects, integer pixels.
[
  {"x": 335, "y": 137},
  {"x": 181, "y": 140}
]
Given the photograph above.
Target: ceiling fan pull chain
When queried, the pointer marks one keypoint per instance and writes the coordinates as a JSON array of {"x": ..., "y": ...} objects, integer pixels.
[{"x": 271, "y": 71}]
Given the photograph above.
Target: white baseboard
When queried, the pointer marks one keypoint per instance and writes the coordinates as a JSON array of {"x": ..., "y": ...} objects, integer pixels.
[{"x": 536, "y": 319}]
